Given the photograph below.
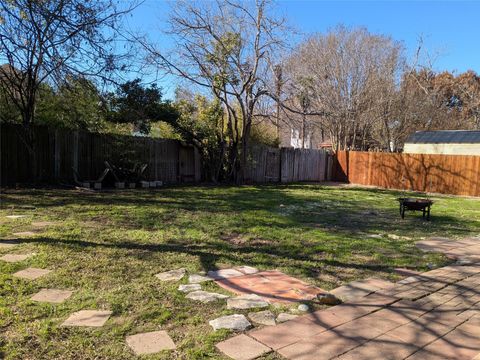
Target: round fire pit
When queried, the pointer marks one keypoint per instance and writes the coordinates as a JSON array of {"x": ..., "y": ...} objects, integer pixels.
[{"x": 415, "y": 204}]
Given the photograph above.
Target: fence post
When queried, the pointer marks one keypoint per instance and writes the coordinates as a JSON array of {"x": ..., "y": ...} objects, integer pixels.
[
  {"x": 56, "y": 156},
  {"x": 75, "y": 150}
]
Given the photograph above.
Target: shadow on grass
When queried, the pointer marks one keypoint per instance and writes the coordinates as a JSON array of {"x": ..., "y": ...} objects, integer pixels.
[{"x": 343, "y": 210}]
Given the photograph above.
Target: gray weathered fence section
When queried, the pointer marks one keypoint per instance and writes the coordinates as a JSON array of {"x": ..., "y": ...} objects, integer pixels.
[
  {"x": 288, "y": 165},
  {"x": 59, "y": 151}
]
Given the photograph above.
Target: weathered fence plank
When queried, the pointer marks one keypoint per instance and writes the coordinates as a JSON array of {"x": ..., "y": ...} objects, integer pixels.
[
  {"x": 59, "y": 151},
  {"x": 287, "y": 165},
  {"x": 447, "y": 174}
]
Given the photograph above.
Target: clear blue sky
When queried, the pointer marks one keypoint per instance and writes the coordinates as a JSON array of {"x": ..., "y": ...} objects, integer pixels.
[{"x": 449, "y": 28}]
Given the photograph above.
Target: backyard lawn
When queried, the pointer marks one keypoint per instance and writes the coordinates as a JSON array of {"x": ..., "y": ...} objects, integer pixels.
[{"x": 107, "y": 247}]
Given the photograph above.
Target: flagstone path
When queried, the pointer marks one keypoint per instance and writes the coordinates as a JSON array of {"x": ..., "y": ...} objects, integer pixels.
[{"x": 433, "y": 315}]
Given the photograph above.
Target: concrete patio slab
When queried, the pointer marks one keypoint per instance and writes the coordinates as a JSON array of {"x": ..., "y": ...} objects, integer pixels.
[
  {"x": 31, "y": 273},
  {"x": 242, "y": 347},
  {"x": 272, "y": 286},
  {"x": 54, "y": 296},
  {"x": 150, "y": 342},
  {"x": 88, "y": 318},
  {"x": 12, "y": 258}
]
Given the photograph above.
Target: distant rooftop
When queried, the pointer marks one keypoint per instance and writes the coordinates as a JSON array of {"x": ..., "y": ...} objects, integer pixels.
[{"x": 445, "y": 137}]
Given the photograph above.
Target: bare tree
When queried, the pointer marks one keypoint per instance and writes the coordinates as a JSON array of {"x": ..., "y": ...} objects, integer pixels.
[
  {"x": 226, "y": 48},
  {"x": 344, "y": 72},
  {"x": 46, "y": 41}
]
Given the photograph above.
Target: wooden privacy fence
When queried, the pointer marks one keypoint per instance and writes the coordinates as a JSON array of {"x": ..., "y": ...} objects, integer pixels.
[
  {"x": 58, "y": 152},
  {"x": 446, "y": 174},
  {"x": 287, "y": 165}
]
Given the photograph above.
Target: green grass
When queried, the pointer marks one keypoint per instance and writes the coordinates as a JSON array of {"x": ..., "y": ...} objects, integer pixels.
[{"x": 107, "y": 246}]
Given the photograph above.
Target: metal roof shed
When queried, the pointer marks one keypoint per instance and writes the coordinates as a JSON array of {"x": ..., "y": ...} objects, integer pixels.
[{"x": 447, "y": 142}]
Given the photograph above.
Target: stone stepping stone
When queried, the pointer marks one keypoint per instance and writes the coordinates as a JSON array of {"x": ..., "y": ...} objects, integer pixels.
[
  {"x": 236, "y": 322},
  {"x": 12, "y": 258},
  {"x": 172, "y": 275},
  {"x": 93, "y": 318},
  {"x": 150, "y": 342},
  {"x": 42, "y": 223},
  {"x": 31, "y": 273},
  {"x": 197, "y": 279},
  {"x": 189, "y": 288},
  {"x": 265, "y": 317},
  {"x": 205, "y": 296},
  {"x": 16, "y": 216},
  {"x": 5, "y": 244},
  {"x": 224, "y": 274},
  {"x": 24, "y": 234},
  {"x": 246, "y": 302},
  {"x": 283, "y": 317},
  {"x": 242, "y": 347},
  {"x": 54, "y": 296},
  {"x": 247, "y": 270}
]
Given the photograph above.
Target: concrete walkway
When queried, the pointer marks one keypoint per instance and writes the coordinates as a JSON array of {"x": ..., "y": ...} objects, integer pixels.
[{"x": 433, "y": 315}]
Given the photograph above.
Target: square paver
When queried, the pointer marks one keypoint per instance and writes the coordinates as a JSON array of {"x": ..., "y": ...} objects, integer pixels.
[
  {"x": 418, "y": 334},
  {"x": 455, "y": 345},
  {"x": 42, "y": 223},
  {"x": 150, "y": 342},
  {"x": 24, "y": 234},
  {"x": 31, "y": 273},
  {"x": 383, "y": 347},
  {"x": 361, "y": 288},
  {"x": 288, "y": 332},
  {"x": 54, "y": 296},
  {"x": 324, "y": 346},
  {"x": 93, "y": 318},
  {"x": 242, "y": 347},
  {"x": 273, "y": 286},
  {"x": 12, "y": 258}
]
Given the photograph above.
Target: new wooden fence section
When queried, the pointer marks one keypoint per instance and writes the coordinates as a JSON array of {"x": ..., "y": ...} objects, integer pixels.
[
  {"x": 58, "y": 152},
  {"x": 447, "y": 174}
]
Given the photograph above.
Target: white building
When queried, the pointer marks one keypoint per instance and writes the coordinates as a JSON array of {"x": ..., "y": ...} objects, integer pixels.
[{"x": 446, "y": 142}]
